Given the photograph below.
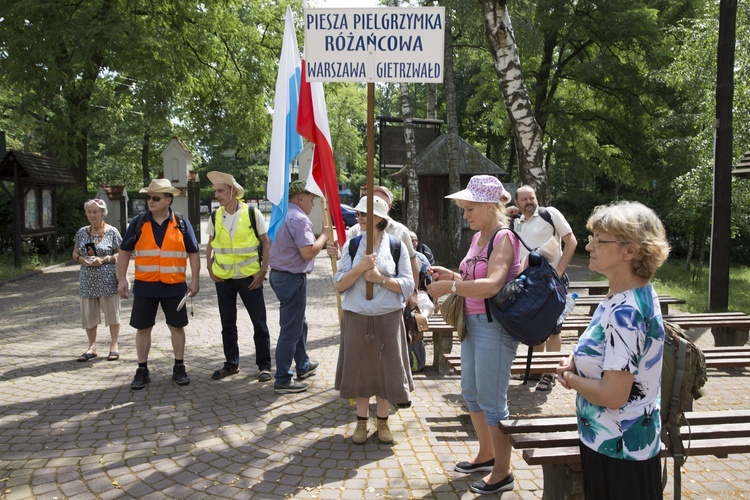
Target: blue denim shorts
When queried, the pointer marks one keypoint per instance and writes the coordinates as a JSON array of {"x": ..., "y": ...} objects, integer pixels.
[{"x": 487, "y": 354}]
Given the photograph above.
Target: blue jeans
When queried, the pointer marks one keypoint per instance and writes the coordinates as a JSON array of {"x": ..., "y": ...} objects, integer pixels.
[
  {"x": 487, "y": 354},
  {"x": 226, "y": 292},
  {"x": 291, "y": 290}
]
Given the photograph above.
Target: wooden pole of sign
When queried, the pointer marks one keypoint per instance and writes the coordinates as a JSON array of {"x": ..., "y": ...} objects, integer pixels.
[{"x": 370, "y": 172}]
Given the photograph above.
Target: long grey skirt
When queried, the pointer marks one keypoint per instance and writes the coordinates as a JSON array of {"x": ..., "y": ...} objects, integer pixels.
[{"x": 374, "y": 357}]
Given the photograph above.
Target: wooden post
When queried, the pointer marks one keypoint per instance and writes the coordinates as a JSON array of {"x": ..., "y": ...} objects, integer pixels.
[
  {"x": 370, "y": 172},
  {"x": 718, "y": 287}
]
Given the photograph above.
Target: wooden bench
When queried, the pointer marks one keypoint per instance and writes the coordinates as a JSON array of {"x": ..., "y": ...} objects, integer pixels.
[
  {"x": 728, "y": 328},
  {"x": 593, "y": 301},
  {"x": 590, "y": 287},
  {"x": 552, "y": 442},
  {"x": 442, "y": 342},
  {"x": 720, "y": 358}
]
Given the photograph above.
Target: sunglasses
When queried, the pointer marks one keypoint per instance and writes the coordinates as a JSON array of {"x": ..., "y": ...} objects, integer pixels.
[
  {"x": 361, "y": 214},
  {"x": 154, "y": 198}
]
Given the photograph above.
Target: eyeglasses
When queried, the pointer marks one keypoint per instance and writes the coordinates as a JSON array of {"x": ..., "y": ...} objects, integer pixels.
[
  {"x": 361, "y": 214},
  {"x": 597, "y": 241},
  {"x": 154, "y": 198}
]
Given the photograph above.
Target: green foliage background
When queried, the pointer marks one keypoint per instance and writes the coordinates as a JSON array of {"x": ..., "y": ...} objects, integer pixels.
[{"x": 624, "y": 91}]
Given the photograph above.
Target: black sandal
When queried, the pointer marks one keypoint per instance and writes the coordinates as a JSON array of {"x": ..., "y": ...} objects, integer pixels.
[
  {"x": 546, "y": 383},
  {"x": 86, "y": 356}
]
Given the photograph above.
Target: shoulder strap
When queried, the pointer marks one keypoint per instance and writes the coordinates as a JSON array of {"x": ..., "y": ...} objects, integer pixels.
[
  {"x": 544, "y": 214},
  {"x": 353, "y": 246},
  {"x": 138, "y": 219},
  {"x": 181, "y": 223},
  {"x": 252, "y": 212}
]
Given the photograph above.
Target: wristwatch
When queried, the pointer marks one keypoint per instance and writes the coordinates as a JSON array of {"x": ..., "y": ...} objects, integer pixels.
[
  {"x": 453, "y": 287},
  {"x": 385, "y": 278}
]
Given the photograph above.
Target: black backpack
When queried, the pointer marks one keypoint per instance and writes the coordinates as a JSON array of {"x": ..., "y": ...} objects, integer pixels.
[
  {"x": 253, "y": 223},
  {"x": 395, "y": 248},
  {"x": 529, "y": 306}
]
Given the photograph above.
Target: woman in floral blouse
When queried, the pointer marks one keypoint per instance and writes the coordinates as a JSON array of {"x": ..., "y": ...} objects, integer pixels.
[
  {"x": 95, "y": 248},
  {"x": 616, "y": 366}
]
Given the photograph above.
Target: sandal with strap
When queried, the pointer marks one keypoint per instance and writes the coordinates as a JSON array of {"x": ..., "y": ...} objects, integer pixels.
[
  {"x": 113, "y": 356},
  {"x": 219, "y": 374},
  {"x": 86, "y": 356},
  {"x": 546, "y": 383}
]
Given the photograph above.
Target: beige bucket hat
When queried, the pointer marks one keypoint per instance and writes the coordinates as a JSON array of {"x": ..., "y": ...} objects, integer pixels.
[
  {"x": 161, "y": 186},
  {"x": 221, "y": 178}
]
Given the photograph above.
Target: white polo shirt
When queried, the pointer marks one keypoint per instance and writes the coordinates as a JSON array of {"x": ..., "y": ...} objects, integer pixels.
[{"x": 537, "y": 232}]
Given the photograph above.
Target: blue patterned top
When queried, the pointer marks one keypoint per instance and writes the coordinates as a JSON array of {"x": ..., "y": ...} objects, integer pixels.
[{"x": 625, "y": 334}]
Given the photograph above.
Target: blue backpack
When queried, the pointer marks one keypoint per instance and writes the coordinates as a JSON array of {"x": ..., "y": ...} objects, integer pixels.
[{"x": 529, "y": 306}]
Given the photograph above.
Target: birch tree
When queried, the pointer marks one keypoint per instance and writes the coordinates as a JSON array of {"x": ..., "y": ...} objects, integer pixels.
[{"x": 527, "y": 133}]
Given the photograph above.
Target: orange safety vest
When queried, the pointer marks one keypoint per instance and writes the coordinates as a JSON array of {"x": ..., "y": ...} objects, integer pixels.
[{"x": 166, "y": 264}]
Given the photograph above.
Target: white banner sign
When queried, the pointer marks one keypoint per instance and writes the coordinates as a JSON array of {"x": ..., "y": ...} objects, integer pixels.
[{"x": 382, "y": 44}]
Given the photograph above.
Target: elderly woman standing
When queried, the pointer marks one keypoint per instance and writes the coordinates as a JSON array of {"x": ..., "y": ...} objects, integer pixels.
[
  {"x": 488, "y": 350},
  {"x": 374, "y": 357},
  {"x": 95, "y": 248},
  {"x": 616, "y": 366}
]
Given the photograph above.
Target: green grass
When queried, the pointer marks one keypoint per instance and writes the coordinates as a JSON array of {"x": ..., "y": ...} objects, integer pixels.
[
  {"x": 29, "y": 263},
  {"x": 673, "y": 279}
]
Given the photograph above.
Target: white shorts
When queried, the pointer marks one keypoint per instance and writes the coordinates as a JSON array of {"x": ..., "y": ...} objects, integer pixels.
[{"x": 92, "y": 308}]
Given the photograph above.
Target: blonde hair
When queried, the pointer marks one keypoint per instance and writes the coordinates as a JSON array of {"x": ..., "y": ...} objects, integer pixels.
[
  {"x": 498, "y": 208},
  {"x": 634, "y": 223}
]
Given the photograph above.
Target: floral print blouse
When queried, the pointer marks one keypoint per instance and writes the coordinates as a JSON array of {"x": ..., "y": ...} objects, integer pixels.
[
  {"x": 97, "y": 281},
  {"x": 625, "y": 334}
]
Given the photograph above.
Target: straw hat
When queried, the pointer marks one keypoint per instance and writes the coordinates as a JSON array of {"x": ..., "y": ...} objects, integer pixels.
[
  {"x": 222, "y": 178},
  {"x": 161, "y": 186}
]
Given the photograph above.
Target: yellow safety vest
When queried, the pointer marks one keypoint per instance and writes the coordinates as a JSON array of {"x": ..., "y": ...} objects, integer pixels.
[{"x": 242, "y": 251}]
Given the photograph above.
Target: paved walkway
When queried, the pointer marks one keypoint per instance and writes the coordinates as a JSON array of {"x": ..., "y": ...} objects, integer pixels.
[{"x": 76, "y": 430}]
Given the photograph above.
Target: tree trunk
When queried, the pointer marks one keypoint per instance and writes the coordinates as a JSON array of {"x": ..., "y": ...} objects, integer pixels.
[
  {"x": 526, "y": 131},
  {"x": 144, "y": 158},
  {"x": 411, "y": 219},
  {"x": 431, "y": 101},
  {"x": 454, "y": 157},
  {"x": 411, "y": 216}
]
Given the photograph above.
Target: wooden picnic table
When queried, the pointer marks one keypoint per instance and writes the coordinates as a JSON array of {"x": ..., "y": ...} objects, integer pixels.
[
  {"x": 593, "y": 301},
  {"x": 591, "y": 287}
]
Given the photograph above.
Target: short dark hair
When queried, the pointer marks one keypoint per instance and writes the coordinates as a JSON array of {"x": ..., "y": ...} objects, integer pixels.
[{"x": 382, "y": 224}]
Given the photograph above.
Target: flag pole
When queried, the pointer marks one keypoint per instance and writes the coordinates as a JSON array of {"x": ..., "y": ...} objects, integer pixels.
[
  {"x": 370, "y": 173},
  {"x": 334, "y": 265}
]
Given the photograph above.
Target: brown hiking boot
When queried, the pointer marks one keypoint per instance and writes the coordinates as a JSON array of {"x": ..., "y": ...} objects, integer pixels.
[
  {"x": 385, "y": 435},
  {"x": 360, "y": 433}
]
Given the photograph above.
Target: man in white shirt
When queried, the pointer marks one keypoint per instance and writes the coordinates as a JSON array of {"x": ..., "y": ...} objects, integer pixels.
[{"x": 548, "y": 229}]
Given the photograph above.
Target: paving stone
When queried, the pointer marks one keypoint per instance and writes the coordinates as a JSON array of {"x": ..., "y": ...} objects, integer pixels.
[{"x": 73, "y": 430}]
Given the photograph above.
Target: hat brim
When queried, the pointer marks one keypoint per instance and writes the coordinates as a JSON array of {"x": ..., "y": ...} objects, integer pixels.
[
  {"x": 170, "y": 190},
  {"x": 222, "y": 178},
  {"x": 376, "y": 210},
  {"x": 466, "y": 195}
]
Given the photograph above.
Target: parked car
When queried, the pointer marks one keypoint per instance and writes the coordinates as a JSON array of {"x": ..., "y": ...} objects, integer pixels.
[{"x": 350, "y": 216}]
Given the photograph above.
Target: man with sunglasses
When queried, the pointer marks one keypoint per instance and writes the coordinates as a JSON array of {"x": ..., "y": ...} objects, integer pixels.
[{"x": 162, "y": 247}]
